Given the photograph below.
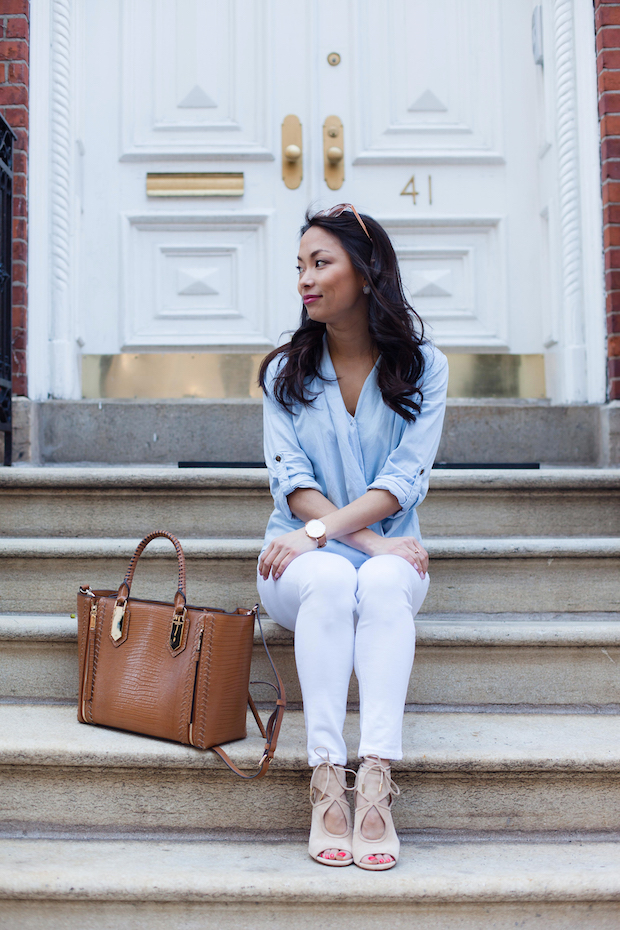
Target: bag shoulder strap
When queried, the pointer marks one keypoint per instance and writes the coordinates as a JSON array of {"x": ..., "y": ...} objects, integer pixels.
[{"x": 272, "y": 731}]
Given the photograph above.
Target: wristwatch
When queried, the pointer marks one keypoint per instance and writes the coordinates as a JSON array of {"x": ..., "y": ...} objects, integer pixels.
[{"x": 316, "y": 530}]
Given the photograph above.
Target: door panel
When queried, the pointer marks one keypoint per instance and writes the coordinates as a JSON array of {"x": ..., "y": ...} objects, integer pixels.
[
  {"x": 195, "y": 79},
  {"x": 429, "y": 81}
]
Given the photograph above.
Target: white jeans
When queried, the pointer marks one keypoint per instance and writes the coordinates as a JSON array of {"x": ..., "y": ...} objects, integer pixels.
[{"x": 319, "y": 596}]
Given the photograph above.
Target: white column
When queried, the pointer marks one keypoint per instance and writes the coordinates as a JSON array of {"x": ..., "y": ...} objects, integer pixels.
[
  {"x": 64, "y": 355},
  {"x": 573, "y": 343}
]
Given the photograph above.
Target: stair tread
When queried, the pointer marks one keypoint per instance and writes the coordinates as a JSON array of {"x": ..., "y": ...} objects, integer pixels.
[
  {"x": 229, "y": 872},
  {"x": 473, "y": 547},
  {"x": 448, "y": 629},
  {"x": 44, "y": 734},
  {"x": 100, "y": 477}
]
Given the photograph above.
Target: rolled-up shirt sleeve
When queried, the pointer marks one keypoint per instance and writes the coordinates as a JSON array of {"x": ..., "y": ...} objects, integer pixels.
[
  {"x": 288, "y": 465},
  {"x": 407, "y": 469}
]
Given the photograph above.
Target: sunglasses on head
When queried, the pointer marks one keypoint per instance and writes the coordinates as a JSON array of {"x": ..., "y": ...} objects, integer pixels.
[{"x": 341, "y": 208}]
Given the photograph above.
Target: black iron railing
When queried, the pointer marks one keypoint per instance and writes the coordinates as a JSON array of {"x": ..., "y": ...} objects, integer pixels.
[{"x": 6, "y": 248}]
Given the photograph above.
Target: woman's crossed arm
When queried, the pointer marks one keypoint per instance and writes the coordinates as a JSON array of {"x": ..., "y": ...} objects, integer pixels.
[{"x": 348, "y": 524}]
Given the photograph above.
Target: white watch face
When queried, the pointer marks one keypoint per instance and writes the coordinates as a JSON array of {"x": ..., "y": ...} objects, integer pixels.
[{"x": 315, "y": 529}]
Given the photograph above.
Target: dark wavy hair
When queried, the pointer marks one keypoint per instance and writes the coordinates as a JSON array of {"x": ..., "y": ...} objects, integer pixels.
[{"x": 395, "y": 328}]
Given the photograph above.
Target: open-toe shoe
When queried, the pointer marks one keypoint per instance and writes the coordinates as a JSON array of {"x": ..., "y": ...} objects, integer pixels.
[
  {"x": 327, "y": 788},
  {"x": 374, "y": 788}
]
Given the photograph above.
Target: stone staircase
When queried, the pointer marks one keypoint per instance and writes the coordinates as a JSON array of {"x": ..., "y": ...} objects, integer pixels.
[{"x": 511, "y": 777}]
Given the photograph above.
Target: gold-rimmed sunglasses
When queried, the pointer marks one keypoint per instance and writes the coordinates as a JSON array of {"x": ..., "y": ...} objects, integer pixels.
[{"x": 341, "y": 208}]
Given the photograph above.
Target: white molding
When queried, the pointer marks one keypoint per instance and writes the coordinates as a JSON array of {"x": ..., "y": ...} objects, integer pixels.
[
  {"x": 458, "y": 157},
  {"x": 175, "y": 154},
  {"x": 576, "y": 357},
  {"x": 453, "y": 221},
  {"x": 569, "y": 203},
  {"x": 64, "y": 367},
  {"x": 39, "y": 275},
  {"x": 206, "y": 218},
  {"x": 591, "y": 202}
]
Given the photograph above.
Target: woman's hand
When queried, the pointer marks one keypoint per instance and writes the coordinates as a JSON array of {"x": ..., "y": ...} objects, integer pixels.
[
  {"x": 282, "y": 550},
  {"x": 406, "y": 547}
]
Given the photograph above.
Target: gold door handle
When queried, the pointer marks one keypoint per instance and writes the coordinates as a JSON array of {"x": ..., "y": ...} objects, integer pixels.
[
  {"x": 333, "y": 152},
  {"x": 292, "y": 149},
  {"x": 334, "y": 155}
]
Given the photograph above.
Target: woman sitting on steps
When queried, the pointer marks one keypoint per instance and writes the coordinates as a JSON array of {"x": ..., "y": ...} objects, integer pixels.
[{"x": 353, "y": 411}]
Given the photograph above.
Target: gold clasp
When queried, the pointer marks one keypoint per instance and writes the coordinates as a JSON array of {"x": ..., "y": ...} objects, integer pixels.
[{"x": 176, "y": 630}]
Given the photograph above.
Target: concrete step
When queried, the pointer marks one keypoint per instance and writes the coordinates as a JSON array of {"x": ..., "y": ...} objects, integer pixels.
[
  {"x": 492, "y": 575},
  {"x": 461, "y": 659},
  {"x": 475, "y": 772},
  {"x": 126, "y": 502},
  {"x": 157, "y": 884},
  {"x": 166, "y": 431}
]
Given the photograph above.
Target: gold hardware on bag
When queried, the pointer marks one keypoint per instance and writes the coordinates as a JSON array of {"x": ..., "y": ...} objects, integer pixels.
[
  {"x": 176, "y": 630},
  {"x": 93, "y": 615},
  {"x": 118, "y": 615}
]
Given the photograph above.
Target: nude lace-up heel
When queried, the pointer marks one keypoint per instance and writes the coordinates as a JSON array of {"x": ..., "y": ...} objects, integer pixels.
[
  {"x": 328, "y": 786},
  {"x": 374, "y": 788}
]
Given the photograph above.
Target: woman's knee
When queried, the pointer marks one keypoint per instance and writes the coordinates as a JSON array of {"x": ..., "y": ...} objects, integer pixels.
[
  {"x": 390, "y": 575},
  {"x": 326, "y": 576}
]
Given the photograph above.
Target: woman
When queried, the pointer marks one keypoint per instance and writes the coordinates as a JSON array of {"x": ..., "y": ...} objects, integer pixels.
[{"x": 353, "y": 411}]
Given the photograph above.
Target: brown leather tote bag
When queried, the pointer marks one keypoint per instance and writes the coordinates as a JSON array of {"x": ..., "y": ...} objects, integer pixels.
[{"x": 170, "y": 670}]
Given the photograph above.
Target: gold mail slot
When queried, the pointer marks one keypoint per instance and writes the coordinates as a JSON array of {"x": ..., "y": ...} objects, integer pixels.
[{"x": 195, "y": 184}]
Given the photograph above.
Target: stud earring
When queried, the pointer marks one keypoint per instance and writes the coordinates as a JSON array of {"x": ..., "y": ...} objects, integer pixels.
[{"x": 366, "y": 289}]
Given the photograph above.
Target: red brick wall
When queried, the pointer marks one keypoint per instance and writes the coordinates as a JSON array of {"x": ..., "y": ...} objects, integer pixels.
[
  {"x": 608, "y": 65},
  {"x": 14, "y": 58}
]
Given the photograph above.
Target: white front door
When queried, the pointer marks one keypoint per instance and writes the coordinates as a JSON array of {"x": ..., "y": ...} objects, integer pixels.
[{"x": 439, "y": 102}]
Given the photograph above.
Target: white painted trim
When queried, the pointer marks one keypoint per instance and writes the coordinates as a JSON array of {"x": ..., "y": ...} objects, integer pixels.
[
  {"x": 174, "y": 154},
  {"x": 574, "y": 379},
  {"x": 64, "y": 356},
  {"x": 591, "y": 202},
  {"x": 39, "y": 272},
  {"x": 430, "y": 157},
  {"x": 207, "y": 218},
  {"x": 444, "y": 222},
  {"x": 577, "y": 364},
  {"x": 52, "y": 352}
]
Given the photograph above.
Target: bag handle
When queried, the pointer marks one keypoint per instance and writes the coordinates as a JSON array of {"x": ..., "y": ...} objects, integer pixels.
[
  {"x": 272, "y": 731},
  {"x": 180, "y": 597}
]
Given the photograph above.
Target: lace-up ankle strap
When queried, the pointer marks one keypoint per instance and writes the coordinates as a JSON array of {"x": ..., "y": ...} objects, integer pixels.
[
  {"x": 374, "y": 764},
  {"x": 323, "y": 770}
]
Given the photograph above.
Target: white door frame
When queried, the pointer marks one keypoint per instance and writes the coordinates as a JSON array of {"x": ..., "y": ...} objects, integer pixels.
[{"x": 576, "y": 351}]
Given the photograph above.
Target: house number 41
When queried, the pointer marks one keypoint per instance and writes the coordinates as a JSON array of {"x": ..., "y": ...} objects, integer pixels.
[{"x": 409, "y": 190}]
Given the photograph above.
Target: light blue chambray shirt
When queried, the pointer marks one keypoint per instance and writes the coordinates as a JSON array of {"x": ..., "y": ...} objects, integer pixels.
[{"x": 322, "y": 446}]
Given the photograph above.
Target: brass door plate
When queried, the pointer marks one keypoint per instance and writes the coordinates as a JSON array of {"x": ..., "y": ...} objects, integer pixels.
[
  {"x": 194, "y": 184},
  {"x": 292, "y": 152},
  {"x": 333, "y": 152},
  {"x": 186, "y": 375}
]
